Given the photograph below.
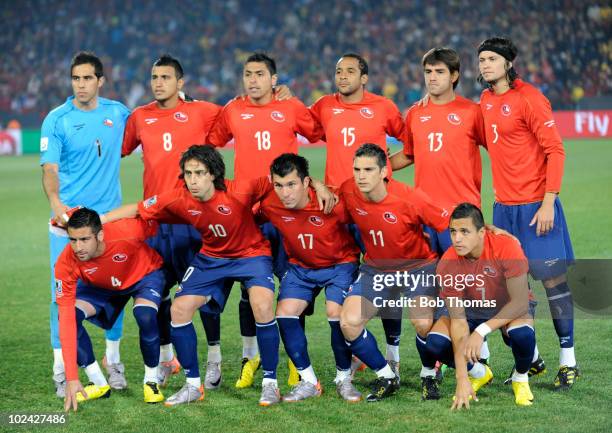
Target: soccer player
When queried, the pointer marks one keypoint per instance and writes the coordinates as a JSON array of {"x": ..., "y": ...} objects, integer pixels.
[
  {"x": 262, "y": 127},
  {"x": 165, "y": 128},
  {"x": 483, "y": 279},
  {"x": 350, "y": 117},
  {"x": 388, "y": 215},
  {"x": 95, "y": 276},
  {"x": 322, "y": 254},
  {"x": 527, "y": 159},
  {"x": 80, "y": 150}
]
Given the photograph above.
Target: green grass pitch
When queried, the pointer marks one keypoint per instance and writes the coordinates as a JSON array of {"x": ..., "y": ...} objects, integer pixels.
[{"x": 25, "y": 356}]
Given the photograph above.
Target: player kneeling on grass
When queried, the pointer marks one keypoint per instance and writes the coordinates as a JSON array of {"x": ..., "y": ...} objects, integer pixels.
[
  {"x": 322, "y": 254},
  {"x": 483, "y": 279},
  {"x": 98, "y": 272}
]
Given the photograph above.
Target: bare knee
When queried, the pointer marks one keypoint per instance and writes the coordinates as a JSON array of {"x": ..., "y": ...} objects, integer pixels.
[{"x": 422, "y": 325}]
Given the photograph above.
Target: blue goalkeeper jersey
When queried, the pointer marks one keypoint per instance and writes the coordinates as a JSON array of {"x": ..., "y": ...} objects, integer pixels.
[{"x": 86, "y": 145}]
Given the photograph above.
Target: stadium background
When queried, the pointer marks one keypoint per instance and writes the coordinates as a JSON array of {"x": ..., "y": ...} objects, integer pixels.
[{"x": 565, "y": 49}]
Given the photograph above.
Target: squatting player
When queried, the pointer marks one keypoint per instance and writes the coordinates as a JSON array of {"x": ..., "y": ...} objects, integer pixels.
[
  {"x": 95, "y": 276},
  {"x": 80, "y": 149},
  {"x": 527, "y": 159}
]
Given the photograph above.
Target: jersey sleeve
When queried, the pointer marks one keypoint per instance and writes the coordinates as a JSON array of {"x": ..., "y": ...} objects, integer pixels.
[
  {"x": 221, "y": 133},
  {"x": 408, "y": 142},
  {"x": 479, "y": 127},
  {"x": 66, "y": 278},
  {"x": 256, "y": 189},
  {"x": 306, "y": 124},
  {"x": 161, "y": 208},
  {"x": 51, "y": 140},
  {"x": 130, "y": 136},
  {"x": 210, "y": 115},
  {"x": 395, "y": 127},
  {"x": 429, "y": 212},
  {"x": 315, "y": 112},
  {"x": 514, "y": 263},
  {"x": 538, "y": 116}
]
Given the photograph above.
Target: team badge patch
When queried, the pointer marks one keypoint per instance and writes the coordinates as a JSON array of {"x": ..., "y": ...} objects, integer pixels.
[
  {"x": 277, "y": 116},
  {"x": 223, "y": 209},
  {"x": 108, "y": 122},
  {"x": 58, "y": 289},
  {"x": 366, "y": 112},
  {"x": 505, "y": 110},
  {"x": 454, "y": 119},
  {"x": 390, "y": 217},
  {"x": 179, "y": 116},
  {"x": 315, "y": 220},
  {"x": 150, "y": 202},
  {"x": 489, "y": 271},
  {"x": 120, "y": 258}
]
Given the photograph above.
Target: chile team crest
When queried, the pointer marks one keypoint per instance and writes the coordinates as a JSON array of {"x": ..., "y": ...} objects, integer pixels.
[
  {"x": 315, "y": 220},
  {"x": 277, "y": 116},
  {"x": 179, "y": 116},
  {"x": 454, "y": 119},
  {"x": 505, "y": 110},
  {"x": 489, "y": 271},
  {"x": 390, "y": 217},
  {"x": 223, "y": 209},
  {"x": 367, "y": 112},
  {"x": 120, "y": 257}
]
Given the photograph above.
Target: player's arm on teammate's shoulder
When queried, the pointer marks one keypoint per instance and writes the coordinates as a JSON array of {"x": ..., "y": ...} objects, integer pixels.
[
  {"x": 498, "y": 231},
  {"x": 125, "y": 211},
  {"x": 404, "y": 157},
  {"x": 51, "y": 185},
  {"x": 400, "y": 160},
  {"x": 459, "y": 333},
  {"x": 282, "y": 92},
  {"x": 130, "y": 136},
  {"x": 326, "y": 198}
]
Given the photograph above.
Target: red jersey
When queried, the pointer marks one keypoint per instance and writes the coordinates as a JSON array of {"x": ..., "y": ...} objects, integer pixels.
[
  {"x": 501, "y": 258},
  {"x": 125, "y": 261},
  {"x": 391, "y": 229},
  {"x": 524, "y": 145},
  {"x": 311, "y": 238},
  {"x": 225, "y": 221},
  {"x": 262, "y": 132},
  {"x": 443, "y": 141},
  {"x": 348, "y": 126},
  {"x": 164, "y": 136}
]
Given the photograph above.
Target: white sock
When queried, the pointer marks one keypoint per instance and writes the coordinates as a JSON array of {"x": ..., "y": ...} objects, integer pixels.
[
  {"x": 393, "y": 353},
  {"x": 519, "y": 377},
  {"x": 309, "y": 375},
  {"x": 386, "y": 372},
  {"x": 484, "y": 350},
  {"x": 567, "y": 357},
  {"x": 166, "y": 354},
  {"x": 214, "y": 353},
  {"x": 150, "y": 375},
  {"x": 431, "y": 372},
  {"x": 249, "y": 347},
  {"x": 536, "y": 354},
  {"x": 341, "y": 375},
  {"x": 94, "y": 374},
  {"x": 266, "y": 381},
  {"x": 194, "y": 381},
  {"x": 477, "y": 371},
  {"x": 112, "y": 352},
  {"x": 58, "y": 361}
]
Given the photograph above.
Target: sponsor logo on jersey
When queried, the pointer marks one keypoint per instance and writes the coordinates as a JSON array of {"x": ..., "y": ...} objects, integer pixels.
[
  {"x": 90, "y": 271},
  {"x": 44, "y": 143},
  {"x": 150, "y": 202},
  {"x": 549, "y": 123},
  {"x": 454, "y": 119},
  {"x": 488, "y": 106},
  {"x": 367, "y": 112},
  {"x": 424, "y": 118},
  {"x": 120, "y": 257},
  {"x": 151, "y": 120},
  {"x": 79, "y": 126},
  {"x": 108, "y": 122},
  {"x": 246, "y": 116},
  {"x": 315, "y": 220},
  {"x": 506, "y": 110},
  {"x": 287, "y": 218},
  {"x": 179, "y": 116},
  {"x": 337, "y": 110},
  {"x": 551, "y": 262},
  {"x": 59, "y": 291},
  {"x": 277, "y": 116},
  {"x": 489, "y": 271},
  {"x": 194, "y": 212},
  {"x": 223, "y": 209},
  {"x": 390, "y": 217},
  {"x": 361, "y": 211}
]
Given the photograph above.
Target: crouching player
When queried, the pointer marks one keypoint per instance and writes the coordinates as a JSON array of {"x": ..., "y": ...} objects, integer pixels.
[
  {"x": 483, "y": 279},
  {"x": 322, "y": 254},
  {"x": 100, "y": 270}
]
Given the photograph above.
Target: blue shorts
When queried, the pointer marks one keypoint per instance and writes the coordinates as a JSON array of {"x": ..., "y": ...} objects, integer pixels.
[
  {"x": 477, "y": 316},
  {"x": 178, "y": 245},
  {"x": 212, "y": 277},
  {"x": 110, "y": 303},
  {"x": 439, "y": 242},
  {"x": 280, "y": 261},
  {"x": 549, "y": 255},
  {"x": 303, "y": 283}
]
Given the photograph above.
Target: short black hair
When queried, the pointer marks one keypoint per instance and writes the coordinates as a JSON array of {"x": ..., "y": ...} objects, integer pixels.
[
  {"x": 363, "y": 64},
  {"x": 373, "y": 151},
  {"x": 211, "y": 158},
  {"x": 505, "y": 48},
  {"x": 468, "y": 210},
  {"x": 85, "y": 217},
  {"x": 88, "y": 57},
  {"x": 287, "y": 162},
  {"x": 444, "y": 55},
  {"x": 168, "y": 60},
  {"x": 261, "y": 57}
]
